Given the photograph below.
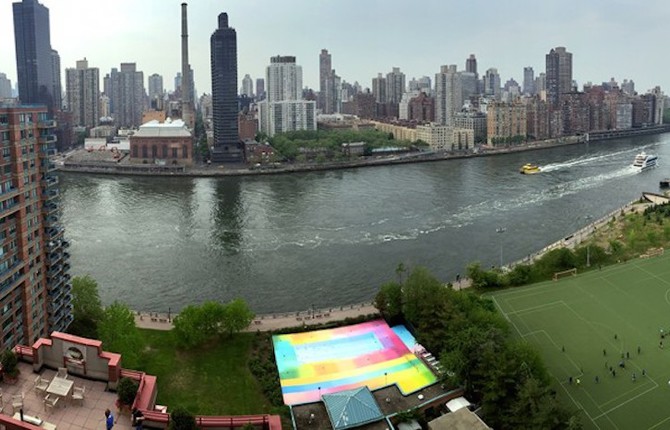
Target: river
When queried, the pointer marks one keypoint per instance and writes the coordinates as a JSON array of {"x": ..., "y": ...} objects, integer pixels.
[{"x": 325, "y": 239}]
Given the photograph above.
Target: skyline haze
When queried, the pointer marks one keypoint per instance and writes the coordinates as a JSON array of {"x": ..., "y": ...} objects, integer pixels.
[{"x": 607, "y": 39}]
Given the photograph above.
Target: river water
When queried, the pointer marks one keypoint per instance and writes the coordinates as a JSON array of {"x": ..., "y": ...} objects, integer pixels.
[{"x": 324, "y": 239}]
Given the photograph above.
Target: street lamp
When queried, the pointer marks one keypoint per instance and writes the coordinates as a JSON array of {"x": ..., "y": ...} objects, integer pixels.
[
  {"x": 501, "y": 230},
  {"x": 588, "y": 244}
]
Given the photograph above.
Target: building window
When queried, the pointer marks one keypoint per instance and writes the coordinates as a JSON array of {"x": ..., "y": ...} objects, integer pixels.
[
  {"x": 174, "y": 153},
  {"x": 145, "y": 153},
  {"x": 184, "y": 151},
  {"x": 134, "y": 151},
  {"x": 154, "y": 151},
  {"x": 165, "y": 151}
]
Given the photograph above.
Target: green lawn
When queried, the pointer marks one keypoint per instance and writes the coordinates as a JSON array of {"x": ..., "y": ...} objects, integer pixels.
[
  {"x": 212, "y": 380},
  {"x": 616, "y": 309}
]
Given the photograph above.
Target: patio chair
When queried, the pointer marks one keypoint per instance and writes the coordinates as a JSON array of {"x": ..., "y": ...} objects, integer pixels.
[
  {"x": 41, "y": 385},
  {"x": 62, "y": 372},
  {"x": 17, "y": 402},
  {"x": 50, "y": 402},
  {"x": 78, "y": 395}
]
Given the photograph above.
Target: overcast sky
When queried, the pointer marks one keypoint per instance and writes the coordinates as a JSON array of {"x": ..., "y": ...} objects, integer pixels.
[{"x": 615, "y": 38}]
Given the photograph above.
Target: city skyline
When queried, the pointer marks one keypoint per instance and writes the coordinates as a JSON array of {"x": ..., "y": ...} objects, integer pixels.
[{"x": 603, "y": 37}]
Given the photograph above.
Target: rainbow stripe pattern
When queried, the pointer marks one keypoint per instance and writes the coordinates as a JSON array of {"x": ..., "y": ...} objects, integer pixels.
[{"x": 328, "y": 361}]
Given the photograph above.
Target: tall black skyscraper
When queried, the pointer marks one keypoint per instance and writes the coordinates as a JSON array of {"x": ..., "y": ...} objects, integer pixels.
[
  {"x": 34, "y": 60},
  {"x": 227, "y": 145}
]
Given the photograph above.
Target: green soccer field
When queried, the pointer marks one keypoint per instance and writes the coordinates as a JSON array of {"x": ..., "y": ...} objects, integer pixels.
[{"x": 584, "y": 324}]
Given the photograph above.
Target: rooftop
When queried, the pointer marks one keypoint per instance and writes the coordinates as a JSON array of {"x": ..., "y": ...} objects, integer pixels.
[{"x": 89, "y": 416}]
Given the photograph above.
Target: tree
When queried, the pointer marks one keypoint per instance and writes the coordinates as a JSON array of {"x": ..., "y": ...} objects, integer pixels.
[
  {"x": 188, "y": 327},
  {"x": 181, "y": 419},
  {"x": 118, "y": 333},
  {"x": 388, "y": 300},
  {"x": 236, "y": 316},
  {"x": 86, "y": 307},
  {"x": 196, "y": 325}
]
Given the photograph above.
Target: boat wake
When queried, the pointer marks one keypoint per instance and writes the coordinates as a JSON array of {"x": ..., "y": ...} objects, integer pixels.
[{"x": 588, "y": 160}]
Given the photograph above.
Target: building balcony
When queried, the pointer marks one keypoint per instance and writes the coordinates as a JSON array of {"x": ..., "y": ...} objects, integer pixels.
[
  {"x": 48, "y": 139},
  {"x": 66, "y": 267},
  {"x": 46, "y": 123},
  {"x": 48, "y": 166},
  {"x": 66, "y": 256},
  {"x": 11, "y": 281},
  {"x": 51, "y": 208},
  {"x": 66, "y": 243},
  {"x": 54, "y": 245},
  {"x": 54, "y": 233},
  {"x": 50, "y": 194},
  {"x": 54, "y": 258},
  {"x": 50, "y": 181},
  {"x": 51, "y": 221}
]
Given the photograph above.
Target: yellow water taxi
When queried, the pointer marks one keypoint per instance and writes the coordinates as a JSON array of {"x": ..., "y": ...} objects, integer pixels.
[{"x": 529, "y": 169}]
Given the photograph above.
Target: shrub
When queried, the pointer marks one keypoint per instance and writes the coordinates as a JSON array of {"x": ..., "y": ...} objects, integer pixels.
[
  {"x": 181, "y": 419},
  {"x": 10, "y": 363},
  {"x": 126, "y": 391}
]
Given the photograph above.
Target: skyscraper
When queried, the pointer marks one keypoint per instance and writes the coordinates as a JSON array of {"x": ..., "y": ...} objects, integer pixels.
[
  {"x": 492, "y": 83},
  {"x": 56, "y": 88},
  {"x": 5, "y": 87},
  {"x": 284, "y": 110},
  {"x": 34, "y": 56},
  {"x": 82, "y": 86},
  {"x": 528, "y": 81},
  {"x": 559, "y": 74},
  {"x": 127, "y": 95},
  {"x": 395, "y": 85},
  {"x": 471, "y": 65},
  {"x": 247, "y": 86},
  {"x": 36, "y": 291},
  {"x": 260, "y": 89},
  {"x": 223, "y": 54},
  {"x": 325, "y": 75},
  {"x": 155, "y": 86},
  {"x": 379, "y": 88}
]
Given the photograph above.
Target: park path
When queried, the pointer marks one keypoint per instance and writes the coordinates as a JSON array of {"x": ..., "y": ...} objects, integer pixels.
[{"x": 162, "y": 321}]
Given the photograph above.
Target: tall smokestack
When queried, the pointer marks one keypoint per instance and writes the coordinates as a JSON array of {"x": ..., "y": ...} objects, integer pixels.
[{"x": 186, "y": 81}]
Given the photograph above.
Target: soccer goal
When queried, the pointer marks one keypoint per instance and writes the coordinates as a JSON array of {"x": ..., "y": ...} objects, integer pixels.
[{"x": 564, "y": 273}]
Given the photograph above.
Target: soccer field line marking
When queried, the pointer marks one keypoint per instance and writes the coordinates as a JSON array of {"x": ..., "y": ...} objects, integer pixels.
[
  {"x": 536, "y": 308},
  {"x": 551, "y": 339},
  {"x": 658, "y": 423},
  {"x": 627, "y": 401},
  {"x": 627, "y": 393},
  {"x": 599, "y": 408},
  {"x": 653, "y": 275},
  {"x": 508, "y": 319},
  {"x": 576, "y": 403}
]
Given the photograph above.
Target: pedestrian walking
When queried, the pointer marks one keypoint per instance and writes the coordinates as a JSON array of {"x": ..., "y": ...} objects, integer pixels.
[
  {"x": 660, "y": 344},
  {"x": 604, "y": 352},
  {"x": 597, "y": 379},
  {"x": 109, "y": 419},
  {"x": 615, "y": 336},
  {"x": 638, "y": 350},
  {"x": 570, "y": 380},
  {"x": 578, "y": 382},
  {"x": 644, "y": 372},
  {"x": 627, "y": 355},
  {"x": 562, "y": 348},
  {"x": 633, "y": 376},
  {"x": 613, "y": 372}
]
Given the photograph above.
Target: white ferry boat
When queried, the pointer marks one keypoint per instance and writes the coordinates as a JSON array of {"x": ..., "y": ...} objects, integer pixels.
[{"x": 644, "y": 161}]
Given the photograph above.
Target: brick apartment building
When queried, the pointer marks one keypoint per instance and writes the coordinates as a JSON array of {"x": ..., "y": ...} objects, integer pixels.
[{"x": 35, "y": 288}]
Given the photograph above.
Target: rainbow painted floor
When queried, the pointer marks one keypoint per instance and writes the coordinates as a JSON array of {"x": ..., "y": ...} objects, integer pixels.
[{"x": 327, "y": 361}]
